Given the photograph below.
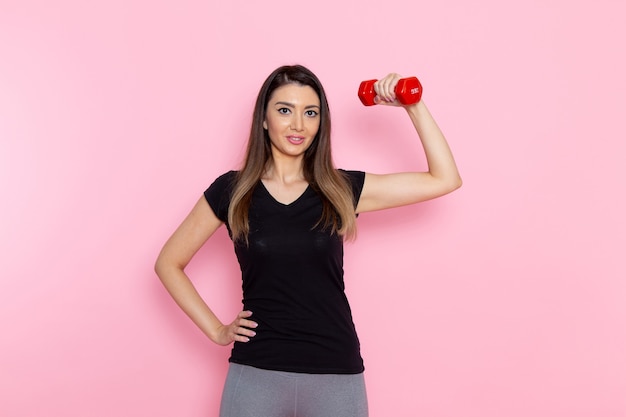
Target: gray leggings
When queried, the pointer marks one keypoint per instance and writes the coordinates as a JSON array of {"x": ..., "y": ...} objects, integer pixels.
[{"x": 253, "y": 392}]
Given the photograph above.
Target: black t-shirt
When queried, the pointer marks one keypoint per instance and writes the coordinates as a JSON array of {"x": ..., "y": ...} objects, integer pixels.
[{"x": 293, "y": 283}]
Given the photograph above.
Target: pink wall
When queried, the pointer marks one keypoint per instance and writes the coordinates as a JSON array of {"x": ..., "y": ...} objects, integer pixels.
[{"x": 506, "y": 298}]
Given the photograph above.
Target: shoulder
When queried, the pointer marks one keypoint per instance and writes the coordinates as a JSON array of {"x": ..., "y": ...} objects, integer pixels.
[
  {"x": 224, "y": 182},
  {"x": 356, "y": 179},
  {"x": 219, "y": 192},
  {"x": 351, "y": 174},
  {"x": 227, "y": 178}
]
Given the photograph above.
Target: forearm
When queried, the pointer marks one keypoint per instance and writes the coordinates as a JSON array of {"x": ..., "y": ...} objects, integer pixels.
[
  {"x": 186, "y": 296},
  {"x": 441, "y": 164}
]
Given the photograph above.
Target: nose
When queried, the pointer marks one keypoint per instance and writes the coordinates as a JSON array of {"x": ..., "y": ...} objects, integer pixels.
[{"x": 297, "y": 122}]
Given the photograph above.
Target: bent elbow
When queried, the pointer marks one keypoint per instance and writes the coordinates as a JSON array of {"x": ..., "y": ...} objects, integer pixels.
[
  {"x": 161, "y": 267},
  {"x": 168, "y": 268},
  {"x": 452, "y": 184},
  {"x": 158, "y": 267},
  {"x": 458, "y": 182}
]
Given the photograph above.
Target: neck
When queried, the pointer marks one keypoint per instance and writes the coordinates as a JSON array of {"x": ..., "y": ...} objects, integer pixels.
[{"x": 285, "y": 170}]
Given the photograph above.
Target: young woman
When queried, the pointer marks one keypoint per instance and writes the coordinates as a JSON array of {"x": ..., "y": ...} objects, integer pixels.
[{"x": 288, "y": 211}]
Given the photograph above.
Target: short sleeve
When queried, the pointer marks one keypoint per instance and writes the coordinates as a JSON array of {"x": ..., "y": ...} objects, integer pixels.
[
  {"x": 219, "y": 193},
  {"x": 356, "y": 180}
]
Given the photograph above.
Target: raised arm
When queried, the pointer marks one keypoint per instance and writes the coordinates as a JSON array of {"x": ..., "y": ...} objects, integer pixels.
[
  {"x": 193, "y": 232},
  {"x": 400, "y": 189}
]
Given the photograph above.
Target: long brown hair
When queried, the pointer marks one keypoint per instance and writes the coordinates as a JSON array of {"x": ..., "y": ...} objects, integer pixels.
[{"x": 319, "y": 171}]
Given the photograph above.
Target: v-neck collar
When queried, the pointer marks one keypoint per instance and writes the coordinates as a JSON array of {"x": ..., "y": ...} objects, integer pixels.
[{"x": 264, "y": 188}]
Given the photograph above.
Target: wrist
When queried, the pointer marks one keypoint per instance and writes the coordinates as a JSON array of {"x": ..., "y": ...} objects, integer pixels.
[
  {"x": 417, "y": 110},
  {"x": 214, "y": 333}
]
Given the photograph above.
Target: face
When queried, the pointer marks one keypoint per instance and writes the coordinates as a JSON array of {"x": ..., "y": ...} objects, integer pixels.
[{"x": 292, "y": 120}]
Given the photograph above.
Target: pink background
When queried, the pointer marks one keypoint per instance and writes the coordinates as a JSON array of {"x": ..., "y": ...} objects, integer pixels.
[{"x": 505, "y": 298}]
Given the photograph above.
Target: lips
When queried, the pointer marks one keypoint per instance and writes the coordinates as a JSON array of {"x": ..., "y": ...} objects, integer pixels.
[{"x": 296, "y": 140}]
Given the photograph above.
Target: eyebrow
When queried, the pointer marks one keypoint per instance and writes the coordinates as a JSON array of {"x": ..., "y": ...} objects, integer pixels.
[{"x": 284, "y": 103}]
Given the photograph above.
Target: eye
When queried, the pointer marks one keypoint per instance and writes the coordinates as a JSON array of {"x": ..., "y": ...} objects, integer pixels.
[
  {"x": 311, "y": 113},
  {"x": 284, "y": 110}
]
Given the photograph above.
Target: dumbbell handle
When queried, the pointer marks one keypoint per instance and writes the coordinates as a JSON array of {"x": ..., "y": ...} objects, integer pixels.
[{"x": 408, "y": 91}]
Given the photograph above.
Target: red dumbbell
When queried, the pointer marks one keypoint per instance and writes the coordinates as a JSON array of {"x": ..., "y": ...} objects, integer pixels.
[{"x": 408, "y": 91}]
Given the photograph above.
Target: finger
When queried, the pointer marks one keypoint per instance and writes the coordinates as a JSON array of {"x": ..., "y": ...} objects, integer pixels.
[
  {"x": 241, "y": 334},
  {"x": 242, "y": 331},
  {"x": 242, "y": 339},
  {"x": 388, "y": 87},
  {"x": 383, "y": 93},
  {"x": 248, "y": 323},
  {"x": 244, "y": 314},
  {"x": 243, "y": 327},
  {"x": 381, "y": 90},
  {"x": 242, "y": 319}
]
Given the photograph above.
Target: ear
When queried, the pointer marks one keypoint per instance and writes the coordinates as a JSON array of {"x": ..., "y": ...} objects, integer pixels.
[{"x": 264, "y": 125}]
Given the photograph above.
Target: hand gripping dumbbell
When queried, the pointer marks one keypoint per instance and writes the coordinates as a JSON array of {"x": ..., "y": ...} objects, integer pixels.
[{"x": 408, "y": 91}]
